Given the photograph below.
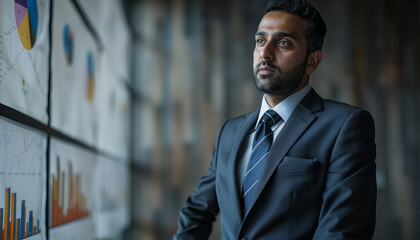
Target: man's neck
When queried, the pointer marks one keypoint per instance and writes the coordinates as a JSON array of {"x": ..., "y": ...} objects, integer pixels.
[{"x": 273, "y": 100}]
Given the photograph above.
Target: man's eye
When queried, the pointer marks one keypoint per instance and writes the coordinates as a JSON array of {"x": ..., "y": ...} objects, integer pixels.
[
  {"x": 260, "y": 41},
  {"x": 284, "y": 43}
]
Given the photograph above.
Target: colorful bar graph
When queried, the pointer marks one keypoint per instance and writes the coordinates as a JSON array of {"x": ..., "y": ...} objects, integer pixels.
[
  {"x": 75, "y": 199},
  {"x": 12, "y": 227}
]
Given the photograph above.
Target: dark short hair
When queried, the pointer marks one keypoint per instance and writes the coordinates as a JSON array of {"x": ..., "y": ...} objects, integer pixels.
[{"x": 315, "y": 29}]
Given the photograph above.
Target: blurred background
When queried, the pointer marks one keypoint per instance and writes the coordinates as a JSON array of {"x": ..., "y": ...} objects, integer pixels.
[
  {"x": 185, "y": 67},
  {"x": 193, "y": 70}
]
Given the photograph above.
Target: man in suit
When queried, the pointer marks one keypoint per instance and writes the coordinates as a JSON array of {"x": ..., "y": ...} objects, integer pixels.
[{"x": 300, "y": 167}]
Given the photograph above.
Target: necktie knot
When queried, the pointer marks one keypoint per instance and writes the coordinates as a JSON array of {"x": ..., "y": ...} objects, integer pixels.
[{"x": 270, "y": 118}]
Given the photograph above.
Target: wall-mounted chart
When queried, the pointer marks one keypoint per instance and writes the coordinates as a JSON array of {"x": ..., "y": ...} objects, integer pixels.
[
  {"x": 112, "y": 192},
  {"x": 22, "y": 188},
  {"x": 114, "y": 111},
  {"x": 74, "y": 80},
  {"x": 71, "y": 186},
  {"x": 24, "y": 56},
  {"x": 112, "y": 94}
]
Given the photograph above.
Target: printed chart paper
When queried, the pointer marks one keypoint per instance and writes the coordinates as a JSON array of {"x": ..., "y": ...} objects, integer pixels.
[
  {"x": 114, "y": 112},
  {"x": 74, "y": 68},
  {"x": 70, "y": 187},
  {"x": 22, "y": 178},
  {"x": 111, "y": 209},
  {"x": 24, "y": 56},
  {"x": 108, "y": 20}
]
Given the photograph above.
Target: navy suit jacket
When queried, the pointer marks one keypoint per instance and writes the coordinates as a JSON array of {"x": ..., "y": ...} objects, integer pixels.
[{"x": 318, "y": 181}]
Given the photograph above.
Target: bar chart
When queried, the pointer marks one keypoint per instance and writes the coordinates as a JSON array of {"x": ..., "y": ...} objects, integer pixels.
[
  {"x": 71, "y": 171},
  {"x": 76, "y": 200},
  {"x": 13, "y": 226}
]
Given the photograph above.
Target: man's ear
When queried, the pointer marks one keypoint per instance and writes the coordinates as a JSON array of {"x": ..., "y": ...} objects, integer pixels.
[{"x": 314, "y": 59}]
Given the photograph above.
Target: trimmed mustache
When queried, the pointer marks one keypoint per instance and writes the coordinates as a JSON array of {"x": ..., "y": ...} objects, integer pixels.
[{"x": 268, "y": 64}]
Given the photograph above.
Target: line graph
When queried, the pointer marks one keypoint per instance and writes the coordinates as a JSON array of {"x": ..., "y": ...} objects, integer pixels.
[
  {"x": 22, "y": 164},
  {"x": 30, "y": 145}
]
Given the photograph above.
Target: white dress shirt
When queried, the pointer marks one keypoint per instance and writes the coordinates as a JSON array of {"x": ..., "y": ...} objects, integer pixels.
[{"x": 285, "y": 108}]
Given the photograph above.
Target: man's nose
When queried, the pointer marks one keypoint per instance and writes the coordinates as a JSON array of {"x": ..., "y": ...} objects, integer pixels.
[{"x": 267, "y": 51}]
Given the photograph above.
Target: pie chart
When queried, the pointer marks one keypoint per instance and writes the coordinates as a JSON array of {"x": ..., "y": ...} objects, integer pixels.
[
  {"x": 68, "y": 44},
  {"x": 26, "y": 15}
]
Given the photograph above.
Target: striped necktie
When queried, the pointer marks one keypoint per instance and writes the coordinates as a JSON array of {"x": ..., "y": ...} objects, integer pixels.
[{"x": 260, "y": 148}]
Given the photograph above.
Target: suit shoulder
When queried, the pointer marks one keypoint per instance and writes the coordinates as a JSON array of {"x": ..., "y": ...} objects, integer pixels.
[
  {"x": 339, "y": 110},
  {"x": 326, "y": 107},
  {"x": 233, "y": 123},
  {"x": 340, "y": 107},
  {"x": 241, "y": 118}
]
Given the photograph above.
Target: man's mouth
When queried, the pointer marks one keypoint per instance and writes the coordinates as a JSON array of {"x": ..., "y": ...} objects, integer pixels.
[{"x": 265, "y": 70}]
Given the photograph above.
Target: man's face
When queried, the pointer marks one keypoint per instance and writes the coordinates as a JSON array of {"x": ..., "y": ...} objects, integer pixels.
[{"x": 280, "y": 54}]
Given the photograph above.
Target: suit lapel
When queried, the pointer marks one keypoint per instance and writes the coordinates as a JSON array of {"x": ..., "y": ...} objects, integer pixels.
[
  {"x": 243, "y": 130},
  {"x": 296, "y": 125}
]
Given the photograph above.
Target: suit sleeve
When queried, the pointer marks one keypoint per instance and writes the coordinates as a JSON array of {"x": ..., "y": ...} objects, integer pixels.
[
  {"x": 349, "y": 198},
  {"x": 199, "y": 212}
]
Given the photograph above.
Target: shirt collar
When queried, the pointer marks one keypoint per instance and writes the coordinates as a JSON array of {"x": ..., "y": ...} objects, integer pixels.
[{"x": 286, "y": 107}]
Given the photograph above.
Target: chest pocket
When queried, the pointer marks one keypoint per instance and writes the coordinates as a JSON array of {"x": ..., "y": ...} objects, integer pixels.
[{"x": 294, "y": 165}]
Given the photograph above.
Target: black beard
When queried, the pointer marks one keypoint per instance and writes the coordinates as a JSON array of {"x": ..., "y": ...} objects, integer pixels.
[{"x": 279, "y": 83}]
